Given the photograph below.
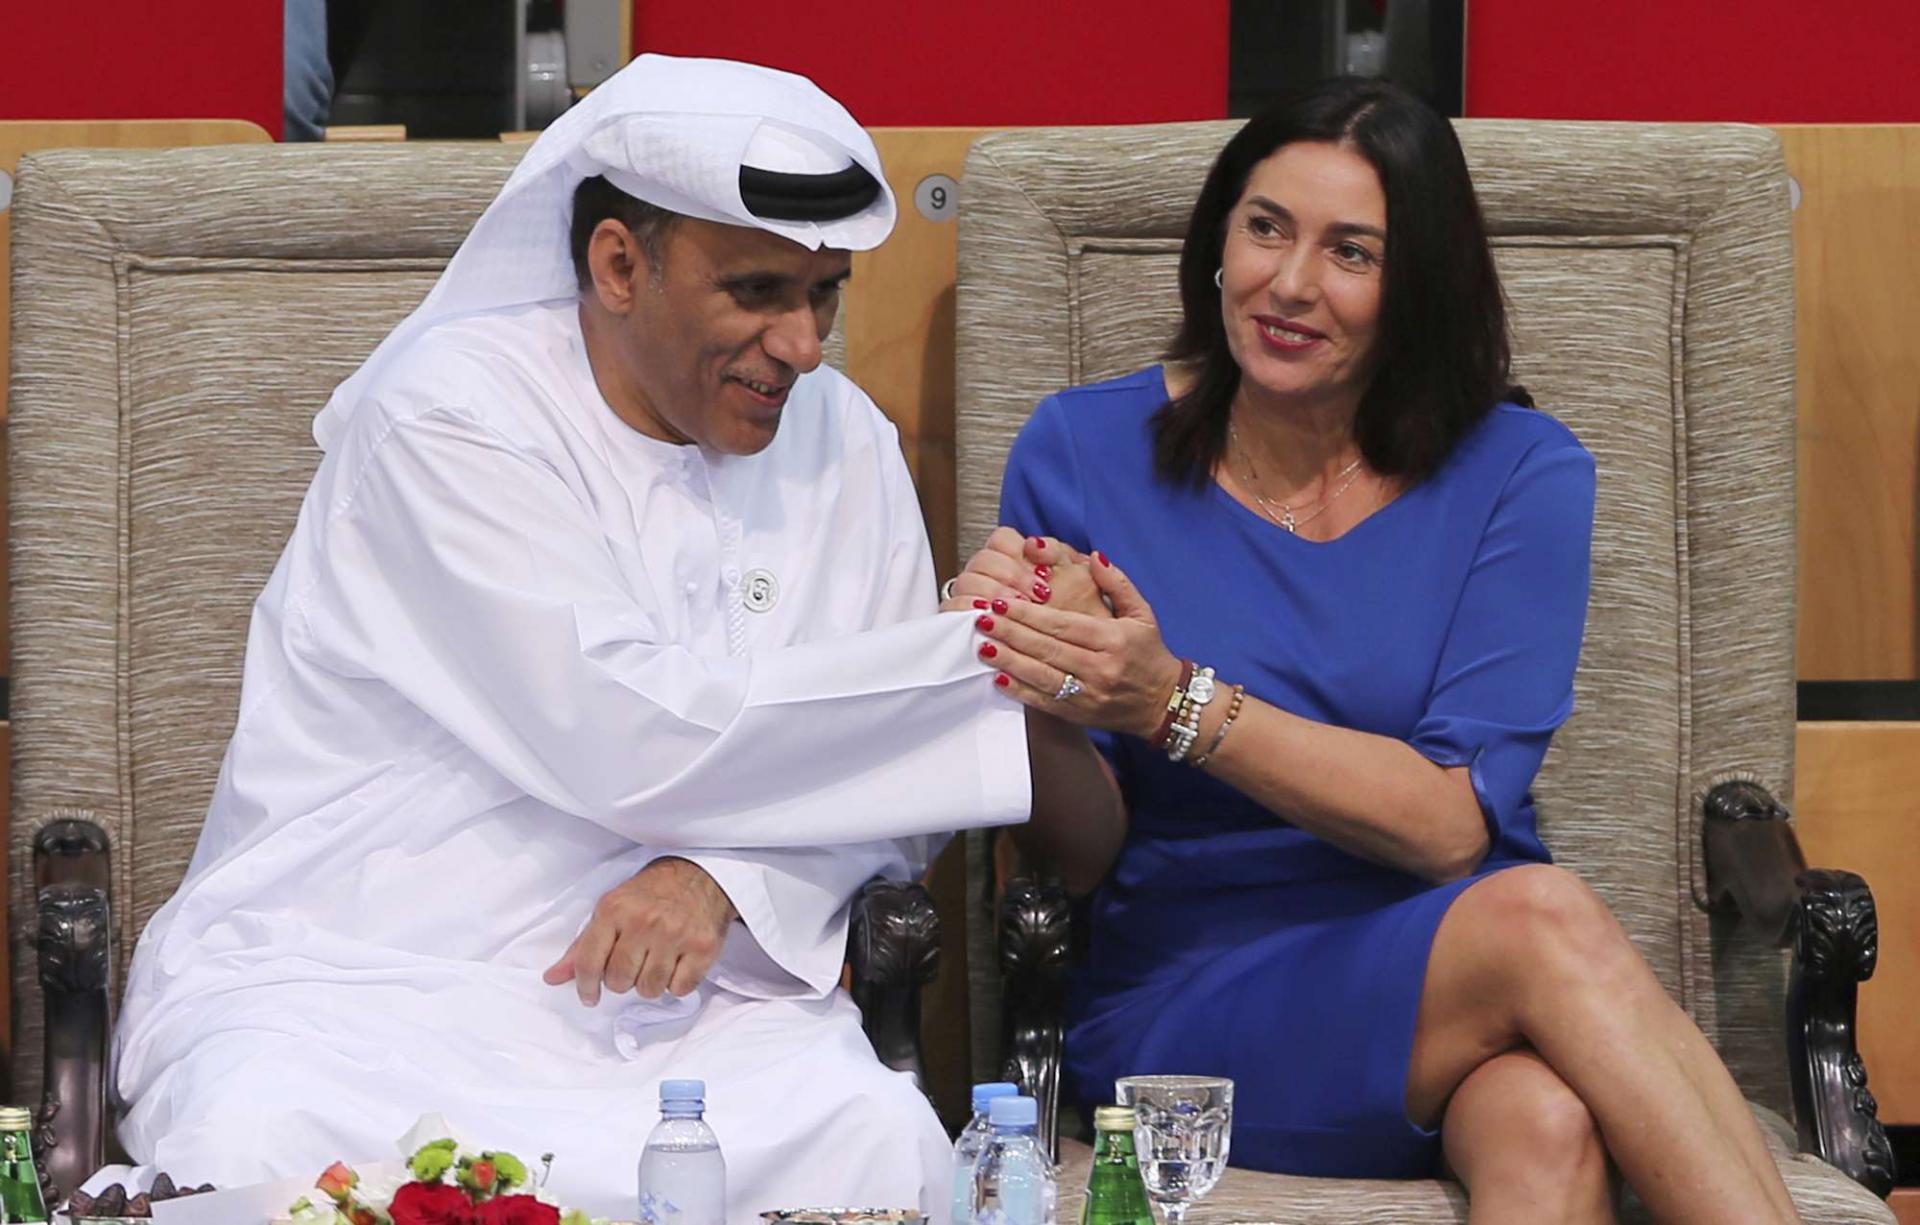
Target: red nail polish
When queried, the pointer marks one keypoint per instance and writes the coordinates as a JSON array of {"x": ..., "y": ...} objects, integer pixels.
[
  {"x": 981, "y": 604},
  {"x": 1042, "y": 592},
  {"x": 1002, "y": 680},
  {"x": 1103, "y": 557},
  {"x": 983, "y": 623},
  {"x": 1036, "y": 542},
  {"x": 1000, "y": 606},
  {"x": 988, "y": 650},
  {"x": 1043, "y": 571}
]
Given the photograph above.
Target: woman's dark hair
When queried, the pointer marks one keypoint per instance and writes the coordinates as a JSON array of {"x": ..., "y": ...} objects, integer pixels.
[{"x": 1441, "y": 355}]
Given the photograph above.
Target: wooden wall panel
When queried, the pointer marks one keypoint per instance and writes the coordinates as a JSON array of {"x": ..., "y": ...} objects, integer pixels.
[
  {"x": 1857, "y": 275},
  {"x": 1857, "y": 803},
  {"x": 899, "y": 321}
]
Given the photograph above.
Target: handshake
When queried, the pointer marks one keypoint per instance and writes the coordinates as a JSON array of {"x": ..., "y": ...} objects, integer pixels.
[
  {"x": 1067, "y": 633},
  {"x": 1036, "y": 569}
]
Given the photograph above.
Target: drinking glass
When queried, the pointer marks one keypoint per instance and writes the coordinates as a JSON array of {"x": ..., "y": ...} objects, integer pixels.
[{"x": 1182, "y": 1133}]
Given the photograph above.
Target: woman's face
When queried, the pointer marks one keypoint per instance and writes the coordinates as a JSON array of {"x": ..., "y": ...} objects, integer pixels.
[{"x": 1303, "y": 263}]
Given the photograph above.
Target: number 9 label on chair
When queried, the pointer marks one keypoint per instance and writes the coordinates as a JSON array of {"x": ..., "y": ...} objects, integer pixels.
[{"x": 937, "y": 197}]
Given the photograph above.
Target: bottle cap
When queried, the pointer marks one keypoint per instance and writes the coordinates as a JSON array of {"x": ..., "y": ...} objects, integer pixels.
[
  {"x": 1114, "y": 1118},
  {"x": 982, "y": 1094},
  {"x": 1013, "y": 1112},
  {"x": 683, "y": 1091},
  {"x": 15, "y": 1118}
]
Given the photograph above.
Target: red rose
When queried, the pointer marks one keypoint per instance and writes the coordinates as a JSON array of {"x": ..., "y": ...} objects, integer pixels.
[
  {"x": 512, "y": 1210},
  {"x": 431, "y": 1203}
]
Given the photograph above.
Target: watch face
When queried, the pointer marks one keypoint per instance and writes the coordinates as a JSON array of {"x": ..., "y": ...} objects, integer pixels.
[{"x": 1201, "y": 690}]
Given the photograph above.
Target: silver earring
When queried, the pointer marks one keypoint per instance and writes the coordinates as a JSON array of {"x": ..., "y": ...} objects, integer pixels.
[{"x": 1219, "y": 278}]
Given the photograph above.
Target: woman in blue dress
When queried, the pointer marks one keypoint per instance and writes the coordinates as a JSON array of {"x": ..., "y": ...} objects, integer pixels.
[{"x": 1285, "y": 720}]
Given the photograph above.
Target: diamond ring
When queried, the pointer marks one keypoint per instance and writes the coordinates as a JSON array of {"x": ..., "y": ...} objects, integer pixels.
[{"x": 1068, "y": 687}]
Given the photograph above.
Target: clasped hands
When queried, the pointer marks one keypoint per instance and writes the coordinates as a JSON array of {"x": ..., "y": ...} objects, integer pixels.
[{"x": 1046, "y": 611}]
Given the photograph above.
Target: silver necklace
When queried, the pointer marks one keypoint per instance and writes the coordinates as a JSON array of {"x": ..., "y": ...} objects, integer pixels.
[{"x": 1282, "y": 514}]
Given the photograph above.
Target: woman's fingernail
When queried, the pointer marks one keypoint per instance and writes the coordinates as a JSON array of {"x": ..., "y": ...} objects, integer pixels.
[
  {"x": 1103, "y": 557},
  {"x": 1036, "y": 542},
  {"x": 1043, "y": 571},
  {"x": 988, "y": 650},
  {"x": 1002, "y": 680},
  {"x": 1042, "y": 592},
  {"x": 1000, "y": 606},
  {"x": 983, "y": 623},
  {"x": 980, "y": 604}
]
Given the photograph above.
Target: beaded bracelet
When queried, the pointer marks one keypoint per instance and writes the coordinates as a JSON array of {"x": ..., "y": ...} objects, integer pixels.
[{"x": 1233, "y": 712}]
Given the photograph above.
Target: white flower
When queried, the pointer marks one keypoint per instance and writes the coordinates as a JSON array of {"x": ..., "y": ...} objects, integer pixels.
[{"x": 378, "y": 1185}]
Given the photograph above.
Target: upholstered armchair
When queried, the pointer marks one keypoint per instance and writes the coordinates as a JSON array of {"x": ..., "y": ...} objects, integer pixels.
[
  {"x": 1650, "y": 274},
  {"x": 178, "y": 318}
]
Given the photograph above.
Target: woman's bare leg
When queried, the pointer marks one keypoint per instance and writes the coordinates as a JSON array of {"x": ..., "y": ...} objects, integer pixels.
[
  {"x": 1531, "y": 956},
  {"x": 1526, "y": 1146}
]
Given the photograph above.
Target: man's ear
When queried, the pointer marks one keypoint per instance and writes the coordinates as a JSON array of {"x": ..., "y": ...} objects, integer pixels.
[{"x": 617, "y": 264}]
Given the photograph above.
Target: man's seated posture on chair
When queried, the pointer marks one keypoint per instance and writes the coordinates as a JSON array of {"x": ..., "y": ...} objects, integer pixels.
[{"x": 600, "y": 672}]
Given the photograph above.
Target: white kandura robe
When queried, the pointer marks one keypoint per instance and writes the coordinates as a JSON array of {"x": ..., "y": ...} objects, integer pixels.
[{"x": 512, "y": 653}]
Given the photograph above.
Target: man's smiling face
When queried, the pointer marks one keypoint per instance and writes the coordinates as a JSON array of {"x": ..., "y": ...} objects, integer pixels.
[{"x": 717, "y": 334}]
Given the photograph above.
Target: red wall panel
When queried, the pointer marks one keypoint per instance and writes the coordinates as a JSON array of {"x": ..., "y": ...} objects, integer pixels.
[
  {"x": 987, "y": 63},
  {"x": 134, "y": 59},
  {"x": 1757, "y": 61}
]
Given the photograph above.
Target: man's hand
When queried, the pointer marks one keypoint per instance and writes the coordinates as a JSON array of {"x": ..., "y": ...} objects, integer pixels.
[
  {"x": 661, "y": 931},
  {"x": 1039, "y": 569}
]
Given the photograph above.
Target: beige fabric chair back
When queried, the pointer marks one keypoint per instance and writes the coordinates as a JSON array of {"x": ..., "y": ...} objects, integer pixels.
[
  {"x": 179, "y": 317},
  {"x": 1649, "y": 270}
]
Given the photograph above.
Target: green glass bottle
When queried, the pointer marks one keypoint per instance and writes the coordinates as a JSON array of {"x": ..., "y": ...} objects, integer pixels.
[
  {"x": 1115, "y": 1193},
  {"x": 20, "y": 1198}
]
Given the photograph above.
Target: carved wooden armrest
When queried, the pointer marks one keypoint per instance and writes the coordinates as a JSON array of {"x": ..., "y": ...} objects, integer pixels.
[
  {"x": 70, "y": 874},
  {"x": 1755, "y": 867},
  {"x": 1036, "y": 927},
  {"x": 893, "y": 948}
]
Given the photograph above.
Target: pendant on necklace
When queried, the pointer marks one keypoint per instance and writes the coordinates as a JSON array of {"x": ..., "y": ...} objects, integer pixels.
[{"x": 1287, "y": 520}]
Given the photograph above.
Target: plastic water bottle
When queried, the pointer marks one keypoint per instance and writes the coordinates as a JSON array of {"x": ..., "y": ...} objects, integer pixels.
[
  {"x": 683, "y": 1179},
  {"x": 1013, "y": 1180},
  {"x": 972, "y": 1142}
]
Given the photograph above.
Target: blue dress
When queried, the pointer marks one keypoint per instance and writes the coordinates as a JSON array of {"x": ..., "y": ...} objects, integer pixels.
[{"x": 1226, "y": 941}]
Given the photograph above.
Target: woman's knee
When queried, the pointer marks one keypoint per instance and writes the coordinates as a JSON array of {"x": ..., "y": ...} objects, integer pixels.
[
  {"x": 1514, "y": 1113},
  {"x": 1541, "y": 920},
  {"x": 1558, "y": 1124}
]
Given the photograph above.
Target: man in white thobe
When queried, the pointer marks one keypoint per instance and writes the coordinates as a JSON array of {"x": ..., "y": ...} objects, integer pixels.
[{"x": 600, "y": 672}]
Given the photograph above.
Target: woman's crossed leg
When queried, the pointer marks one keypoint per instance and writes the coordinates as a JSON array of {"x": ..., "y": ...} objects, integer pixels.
[{"x": 1531, "y": 959}]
